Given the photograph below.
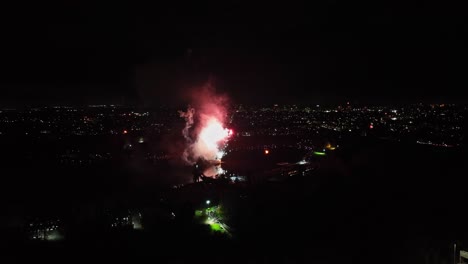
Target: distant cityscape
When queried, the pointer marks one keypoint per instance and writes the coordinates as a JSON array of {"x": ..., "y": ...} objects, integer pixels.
[{"x": 432, "y": 124}]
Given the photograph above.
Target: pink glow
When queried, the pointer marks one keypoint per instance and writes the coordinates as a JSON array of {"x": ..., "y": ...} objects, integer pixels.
[{"x": 205, "y": 130}]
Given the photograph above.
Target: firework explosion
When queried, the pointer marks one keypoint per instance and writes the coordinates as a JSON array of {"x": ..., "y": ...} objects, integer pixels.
[{"x": 204, "y": 131}]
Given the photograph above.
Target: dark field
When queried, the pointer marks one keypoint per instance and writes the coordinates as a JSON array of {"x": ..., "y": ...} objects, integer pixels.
[{"x": 368, "y": 200}]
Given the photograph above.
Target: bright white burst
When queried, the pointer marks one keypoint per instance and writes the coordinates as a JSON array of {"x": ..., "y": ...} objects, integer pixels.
[
  {"x": 220, "y": 170},
  {"x": 212, "y": 134},
  {"x": 220, "y": 154}
]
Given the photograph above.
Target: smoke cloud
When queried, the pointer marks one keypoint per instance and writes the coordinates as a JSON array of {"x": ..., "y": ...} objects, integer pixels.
[{"x": 205, "y": 132}]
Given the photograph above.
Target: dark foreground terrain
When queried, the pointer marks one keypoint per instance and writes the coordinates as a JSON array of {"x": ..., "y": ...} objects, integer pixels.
[{"x": 371, "y": 201}]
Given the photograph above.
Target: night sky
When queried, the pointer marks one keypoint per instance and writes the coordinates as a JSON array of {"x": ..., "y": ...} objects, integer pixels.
[{"x": 288, "y": 52}]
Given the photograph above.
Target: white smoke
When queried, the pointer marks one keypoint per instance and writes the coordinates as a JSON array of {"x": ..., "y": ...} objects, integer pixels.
[
  {"x": 188, "y": 116},
  {"x": 204, "y": 129}
]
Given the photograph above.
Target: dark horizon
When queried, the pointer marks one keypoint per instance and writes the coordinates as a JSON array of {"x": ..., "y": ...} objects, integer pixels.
[{"x": 129, "y": 103}]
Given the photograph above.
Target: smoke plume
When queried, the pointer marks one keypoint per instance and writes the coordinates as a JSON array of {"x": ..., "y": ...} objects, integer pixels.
[{"x": 205, "y": 132}]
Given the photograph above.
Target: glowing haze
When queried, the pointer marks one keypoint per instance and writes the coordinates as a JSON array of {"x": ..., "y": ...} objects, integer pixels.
[{"x": 205, "y": 132}]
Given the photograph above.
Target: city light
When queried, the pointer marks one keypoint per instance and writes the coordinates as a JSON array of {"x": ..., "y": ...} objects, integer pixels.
[
  {"x": 266, "y": 152},
  {"x": 330, "y": 147}
]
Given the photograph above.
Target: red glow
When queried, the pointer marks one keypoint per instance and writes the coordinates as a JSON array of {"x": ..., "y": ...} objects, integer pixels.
[
  {"x": 371, "y": 126},
  {"x": 125, "y": 131},
  {"x": 267, "y": 152}
]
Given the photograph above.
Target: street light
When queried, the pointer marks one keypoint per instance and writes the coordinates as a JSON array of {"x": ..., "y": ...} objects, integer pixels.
[
  {"x": 455, "y": 253},
  {"x": 208, "y": 202}
]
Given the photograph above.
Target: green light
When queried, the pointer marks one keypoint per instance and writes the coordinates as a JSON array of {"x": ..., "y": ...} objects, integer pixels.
[
  {"x": 212, "y": 216},
  {"x": 318, "y": 153},
  {"x": 216, "y": 227},
  {"x": 198, "y": 213}
]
